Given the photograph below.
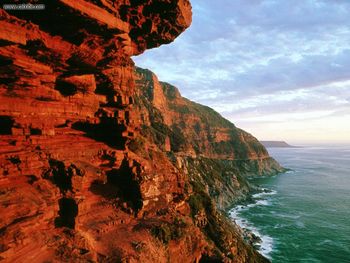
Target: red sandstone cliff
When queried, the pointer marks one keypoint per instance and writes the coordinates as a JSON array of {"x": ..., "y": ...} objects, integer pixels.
[
  {"x": 71, "y": 190},
  {"x": 213, "y": 152},
  {"x": 203, "y": 131}
]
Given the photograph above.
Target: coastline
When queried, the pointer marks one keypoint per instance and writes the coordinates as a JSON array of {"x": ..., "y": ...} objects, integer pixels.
[
  {"x": 309, "y": 210},
  {"x": 250, "y": 233},
  {"x": 257, "y": 196}
]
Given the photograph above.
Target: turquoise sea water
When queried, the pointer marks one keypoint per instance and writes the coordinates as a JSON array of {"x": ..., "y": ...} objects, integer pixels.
[{"x": 304, "y": 214}]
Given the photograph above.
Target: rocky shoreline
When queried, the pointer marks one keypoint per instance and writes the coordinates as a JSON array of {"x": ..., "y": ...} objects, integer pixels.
[
  {"x": 250, "y": 234},
  {"x": 99, "y": 160}
]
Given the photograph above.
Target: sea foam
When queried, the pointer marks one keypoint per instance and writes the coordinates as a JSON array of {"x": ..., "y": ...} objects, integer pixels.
[{"x": 265, "y": 246}]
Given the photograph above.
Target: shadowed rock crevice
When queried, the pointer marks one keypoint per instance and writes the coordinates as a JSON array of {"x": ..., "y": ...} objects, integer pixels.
[
  {"x": 104, "y": 85},
  {"x": 208, "y": 259},
  {"x": 6, "y": 124},
  {"x": 122, "y": 187},
  {"x": 5, "y": 61},
  {"x": 128, "y": 186},
  {"x": 61, "y": 175},
  {"x": 67, "y": 213},
  {"x": 35, "y": 131},
  {"x": 73, "y": 28},
  {"x": 38, "y": 50},
  {"x": 66, "y": 88},
  {"x": 108, "y": 131}
]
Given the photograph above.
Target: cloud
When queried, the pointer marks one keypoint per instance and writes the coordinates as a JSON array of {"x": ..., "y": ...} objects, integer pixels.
[{"x": 239, "y": 55}]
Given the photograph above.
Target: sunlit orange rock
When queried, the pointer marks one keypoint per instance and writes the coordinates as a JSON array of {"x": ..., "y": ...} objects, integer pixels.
[{"x": 73, "y": 186}]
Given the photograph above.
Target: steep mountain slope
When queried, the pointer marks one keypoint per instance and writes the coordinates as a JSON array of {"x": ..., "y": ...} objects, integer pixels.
[
  {"x": 81, "y": 177},
  {"x": 216, "y": 154}
]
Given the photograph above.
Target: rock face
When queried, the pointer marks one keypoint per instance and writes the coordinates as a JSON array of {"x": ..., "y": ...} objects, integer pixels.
[
  {"x": 75, "y": 185},
  {"x": 215, "y": 154}
]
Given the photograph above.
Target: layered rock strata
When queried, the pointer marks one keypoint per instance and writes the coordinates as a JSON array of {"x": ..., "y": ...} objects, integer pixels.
[{"x": 74, "y": 185}]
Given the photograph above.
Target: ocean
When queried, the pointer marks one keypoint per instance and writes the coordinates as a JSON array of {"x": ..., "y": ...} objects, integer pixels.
[{"x": 302, "y": 215}]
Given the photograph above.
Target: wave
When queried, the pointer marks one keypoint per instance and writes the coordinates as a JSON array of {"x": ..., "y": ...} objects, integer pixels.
[
  {"x": 263, "y": 243},
  {"x": 265, "y": 192},
  {"x": 290, "y": 172}
]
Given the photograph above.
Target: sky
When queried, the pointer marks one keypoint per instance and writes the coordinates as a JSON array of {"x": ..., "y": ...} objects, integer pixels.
[{"x": 279, "y": 69}]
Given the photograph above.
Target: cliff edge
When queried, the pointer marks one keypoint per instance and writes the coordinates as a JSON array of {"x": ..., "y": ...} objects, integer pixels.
[
  {"x": 74, "y": 184},
  {"x": 217, "y": 156}
]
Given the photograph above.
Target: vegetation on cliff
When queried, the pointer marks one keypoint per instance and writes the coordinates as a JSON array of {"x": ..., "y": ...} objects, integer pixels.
[
  {"x": 211, "y": 150},
  {"x": 98, "y": 164}
]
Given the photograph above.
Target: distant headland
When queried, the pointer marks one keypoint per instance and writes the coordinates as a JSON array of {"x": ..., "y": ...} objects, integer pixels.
[{"x": 277, "y": 144}]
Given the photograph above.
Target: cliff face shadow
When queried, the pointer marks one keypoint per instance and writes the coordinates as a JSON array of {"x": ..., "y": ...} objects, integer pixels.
[
  {"x": 105, "y": 190},
  {"x": 6, "y": 124},
  {"x": 127, "y": 184},
  {"x": 66, "y": 89},
  {"x": 107, "y": 132},
  {"x": 122, "y": 187},
  {"x": 67, "y": 213}
]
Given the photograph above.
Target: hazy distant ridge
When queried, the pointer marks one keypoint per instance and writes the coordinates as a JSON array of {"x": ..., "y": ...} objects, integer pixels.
[{"x": 279, "y": 144}]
